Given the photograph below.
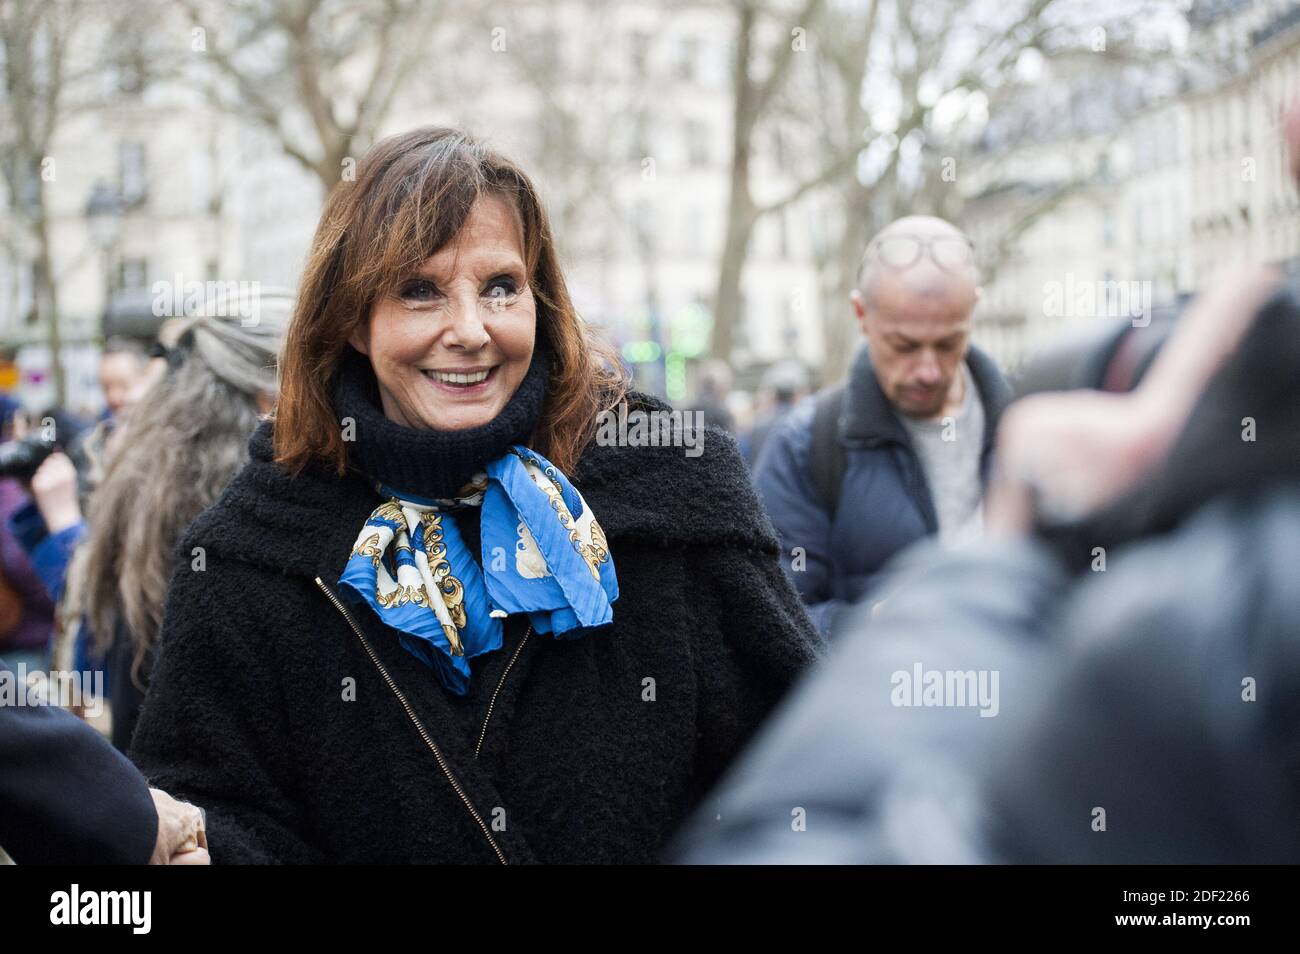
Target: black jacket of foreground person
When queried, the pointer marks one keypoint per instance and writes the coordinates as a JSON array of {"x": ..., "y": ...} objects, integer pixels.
[
  {"x": 66, "y": 795},
  {"x": 1148, "y": 713},
  {"x": 267, "y": 709}
]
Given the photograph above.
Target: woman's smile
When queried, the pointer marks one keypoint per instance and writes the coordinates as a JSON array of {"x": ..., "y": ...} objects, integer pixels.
[{"x": 463, "y": 383}]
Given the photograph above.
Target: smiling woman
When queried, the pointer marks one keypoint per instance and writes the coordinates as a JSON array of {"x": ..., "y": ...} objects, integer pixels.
[
  {"x": 451, "y": 344},
  {"x": 437, "y": 620}
]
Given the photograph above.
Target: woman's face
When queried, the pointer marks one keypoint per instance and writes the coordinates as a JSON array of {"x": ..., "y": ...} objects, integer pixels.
[{"x": 451, "y": 343}]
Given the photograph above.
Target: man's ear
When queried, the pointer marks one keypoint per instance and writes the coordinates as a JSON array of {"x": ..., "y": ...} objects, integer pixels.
[
  {"x": 859, "y": 309},
  {"x": 360, "y": 337}
]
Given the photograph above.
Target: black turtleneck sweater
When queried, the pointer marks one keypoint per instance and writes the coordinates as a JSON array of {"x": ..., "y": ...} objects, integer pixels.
[{"x": 427, "y": 463}]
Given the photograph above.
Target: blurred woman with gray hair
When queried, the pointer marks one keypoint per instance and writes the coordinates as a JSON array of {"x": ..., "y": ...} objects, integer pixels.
[{"x": 175, "y": 453}]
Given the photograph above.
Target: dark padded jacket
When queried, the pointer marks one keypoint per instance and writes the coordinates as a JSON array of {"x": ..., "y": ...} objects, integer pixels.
[{"x": 884, "y": 502}]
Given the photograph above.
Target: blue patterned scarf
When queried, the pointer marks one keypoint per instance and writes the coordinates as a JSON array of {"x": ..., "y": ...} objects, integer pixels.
[{"x": 543, "y": 553}]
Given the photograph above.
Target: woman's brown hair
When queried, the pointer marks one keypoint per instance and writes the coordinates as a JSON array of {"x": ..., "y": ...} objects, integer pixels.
[{"x": 411, "y": 195}]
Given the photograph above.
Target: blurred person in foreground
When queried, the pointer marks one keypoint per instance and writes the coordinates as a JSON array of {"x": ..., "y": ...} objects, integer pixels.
[
  {"x": 173, "y": 455},
  {"x": 438, "y": 620},
  {"x": 1137, "y": 605},
  {"x": 68, "y": 797},
  {"x": 900, "y": 450}
]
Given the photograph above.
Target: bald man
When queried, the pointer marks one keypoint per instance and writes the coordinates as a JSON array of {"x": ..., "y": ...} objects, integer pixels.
[{"x": 900, "y": 450}]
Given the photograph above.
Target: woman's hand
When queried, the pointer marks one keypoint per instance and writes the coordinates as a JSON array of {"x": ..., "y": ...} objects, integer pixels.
[
  {"x": 181, "y": 838},
  {"x": 54, "y": 488}
]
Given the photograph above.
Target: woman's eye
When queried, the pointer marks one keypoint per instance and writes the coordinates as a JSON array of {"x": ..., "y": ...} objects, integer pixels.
[
  {"x": 418, "y": 291},
  {"x": 501, "y": 288}
]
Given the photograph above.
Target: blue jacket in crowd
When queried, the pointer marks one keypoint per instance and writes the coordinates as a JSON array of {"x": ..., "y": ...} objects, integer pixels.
[
  {"x": 50, "y": 553},
  {"x": 884, "y": 499}
]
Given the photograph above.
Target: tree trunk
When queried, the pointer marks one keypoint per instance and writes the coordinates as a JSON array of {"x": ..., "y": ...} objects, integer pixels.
[
  {"x": 726, "y": 299},
  {"x": 46, "y": 295},
  {"x": 840, "y": 329},
  {"x": 740, "y": 204},
  {"x": 335, "y": 149}
]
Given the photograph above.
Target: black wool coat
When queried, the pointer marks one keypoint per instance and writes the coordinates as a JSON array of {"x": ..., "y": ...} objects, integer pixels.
[{"x": 308, "y": 735}]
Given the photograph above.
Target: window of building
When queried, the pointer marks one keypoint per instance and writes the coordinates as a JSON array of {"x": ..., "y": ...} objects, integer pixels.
[
  {"x": 692, "y": 230},
  {"x": 688, "y": 59},
  {"x": 639, "y": 43},
  {"x": 132, "y": 274},
  {"x": 639, "y": 143},
  {"x": 697, "y": 144},
  {"x": 131, "y": 67},
  {"x": 131, "y": 183}
]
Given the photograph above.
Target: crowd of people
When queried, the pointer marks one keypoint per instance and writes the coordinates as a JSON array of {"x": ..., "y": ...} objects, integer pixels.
[{"x": 365, "y": 588}]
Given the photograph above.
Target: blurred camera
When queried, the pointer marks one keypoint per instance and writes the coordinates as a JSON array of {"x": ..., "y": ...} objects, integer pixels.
[
  {"x": 1114, "y": 355},
  {"x": 20, "y": 458},
  {"x": 1110, "y": 356}
]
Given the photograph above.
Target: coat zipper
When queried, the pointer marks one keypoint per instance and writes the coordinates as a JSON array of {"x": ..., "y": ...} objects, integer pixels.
[
  {"x": 501, "y": 682},
  {"x": 410, "y": 714}
]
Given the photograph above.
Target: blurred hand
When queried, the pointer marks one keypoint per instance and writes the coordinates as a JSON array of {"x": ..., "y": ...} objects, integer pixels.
[
  {"x": 181, "y": 839},
  {"x": 1067, "y": 455},
  {"x": 54, "y": 488},
  {"x": 199, "y": 856},
  {"x": 1062, "y": 456},
  {"x": 18, "y": 426}
]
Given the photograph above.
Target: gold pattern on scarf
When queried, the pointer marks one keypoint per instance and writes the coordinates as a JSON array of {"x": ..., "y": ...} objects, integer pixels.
[
  {"x": 599, "y": 546},
  {"x": 594, "y": 553},
  {"x": 453, "y": 591},
  {"x": 402, "y": 595},
  {"x": 391, "y": 511},
  {"x": 369, "y": 547}
]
